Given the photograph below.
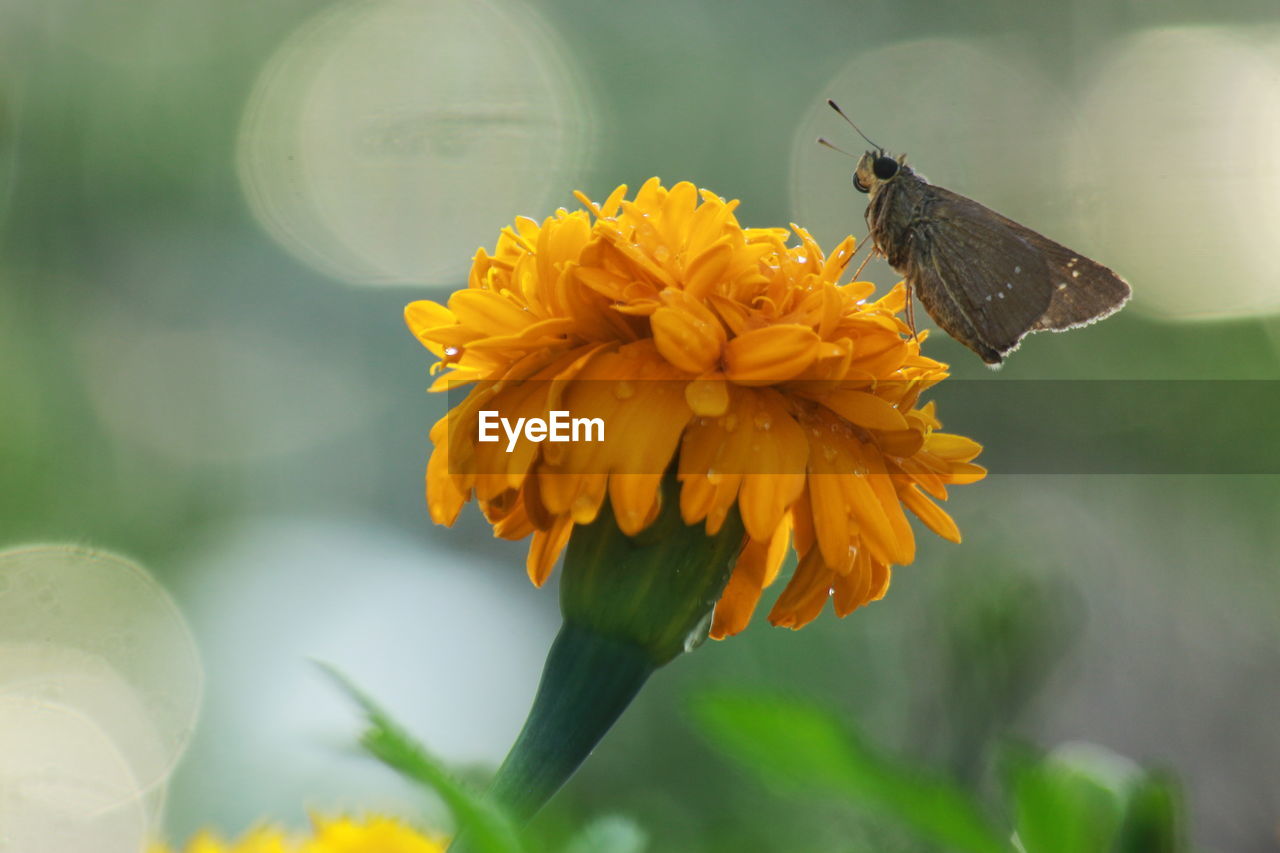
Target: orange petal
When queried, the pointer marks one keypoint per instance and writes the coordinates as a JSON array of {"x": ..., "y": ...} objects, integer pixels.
[
  {"x": 772, "y": 354},
  {"x": 806, "y": 594},
  {"x": 953, "y": 447},
  {"x": 634, "y": 499},
  {"x": 489, "y": 312},
  {"x": 707, "y": 270},
  {"x": 930, "y": 513},
  {"x": 742, "y": 593},
  {"x": 866, "y": 410},
  {"x": 545, "y": 549},
  {"x": 687, "y": 333}
]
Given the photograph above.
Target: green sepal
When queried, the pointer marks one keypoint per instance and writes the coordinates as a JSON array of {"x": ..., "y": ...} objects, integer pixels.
[
  {"x": 630, "y": 604},
  {"x": 656, "y": 589}
]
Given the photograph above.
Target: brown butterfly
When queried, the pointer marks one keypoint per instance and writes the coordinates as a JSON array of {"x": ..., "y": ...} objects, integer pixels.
[{"x": 988, "y": 281}]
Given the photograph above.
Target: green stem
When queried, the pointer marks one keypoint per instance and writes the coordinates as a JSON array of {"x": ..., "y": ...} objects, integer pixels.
[
  {"x": 587, "y": 683},
  {"x": 631, "y": 604}
]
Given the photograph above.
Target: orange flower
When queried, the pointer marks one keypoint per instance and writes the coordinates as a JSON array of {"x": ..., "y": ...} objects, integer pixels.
[{"x": 774, "y": 390}]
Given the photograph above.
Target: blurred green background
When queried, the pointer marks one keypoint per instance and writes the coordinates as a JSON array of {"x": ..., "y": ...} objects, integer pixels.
[{"x": 212, "y": 215}]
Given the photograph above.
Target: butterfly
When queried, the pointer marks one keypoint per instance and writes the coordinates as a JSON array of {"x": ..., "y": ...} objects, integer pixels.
[{"x": 986, "y": 280}]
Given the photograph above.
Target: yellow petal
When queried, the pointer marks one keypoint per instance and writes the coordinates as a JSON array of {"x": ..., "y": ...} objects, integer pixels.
[
  {"x": 707, "y": 270},
  {"x": 955, "y": 447},
  {"x": 866, "y": 410},
  {"x": 489, "y": 312},
  {"x": 690, "y": 340},
  {"x": 770, "y": 355}
]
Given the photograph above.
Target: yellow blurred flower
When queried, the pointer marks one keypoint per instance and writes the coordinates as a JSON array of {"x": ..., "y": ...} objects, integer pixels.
[
  {"x": 336, "y": 835},
  {"x": 779, "y": 392}
]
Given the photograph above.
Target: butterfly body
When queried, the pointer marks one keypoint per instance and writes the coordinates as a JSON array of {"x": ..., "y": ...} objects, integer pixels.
[{"x": 985, "y": 279}]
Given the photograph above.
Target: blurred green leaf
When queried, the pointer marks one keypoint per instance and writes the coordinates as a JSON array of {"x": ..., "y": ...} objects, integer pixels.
[
  {"x": 1083, "y": 798},
  {"x": 486, "y": 828},
  {"x": 1154, "y": 822},
  {"x": 796, "y": 745},
  {"x": 609, "y": 834},
  {"x": 1061, "y": 811}
]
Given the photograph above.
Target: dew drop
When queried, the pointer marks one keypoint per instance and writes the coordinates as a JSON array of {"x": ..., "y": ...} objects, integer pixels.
[
  {"x": 450, "y": 352},
  {"x": 624, "y": 390},
  {"x": 763, "y": 422},
  {"x": 730, "y": 423},
  {"x": 828, "y": 452},
  {"x": 698, "y": 635}
]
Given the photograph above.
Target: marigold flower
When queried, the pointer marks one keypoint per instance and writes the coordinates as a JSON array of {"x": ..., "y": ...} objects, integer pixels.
[
  {"x": 329, "y": 835},
  {"x": 781, "y": 393}
]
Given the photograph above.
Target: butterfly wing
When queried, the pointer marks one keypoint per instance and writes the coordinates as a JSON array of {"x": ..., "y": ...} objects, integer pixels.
[
  {"x": 982, "y": 281},
  {"x": 1004, "y": 279},
  {"x": 1084, "y": 291}
]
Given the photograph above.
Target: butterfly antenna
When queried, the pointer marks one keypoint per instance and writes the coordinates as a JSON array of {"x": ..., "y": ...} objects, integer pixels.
[
  {"x": 822, "y": 141},
  {"x": 840, "y": 112}
]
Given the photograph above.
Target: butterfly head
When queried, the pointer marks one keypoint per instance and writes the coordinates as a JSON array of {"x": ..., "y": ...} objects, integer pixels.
[{"x": 876, "y": 168}]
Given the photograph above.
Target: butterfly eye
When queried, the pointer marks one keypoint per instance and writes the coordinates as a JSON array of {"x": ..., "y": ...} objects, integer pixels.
[
  {"x": 885, "y": 168},
  {"x": 859, "y": 185}
]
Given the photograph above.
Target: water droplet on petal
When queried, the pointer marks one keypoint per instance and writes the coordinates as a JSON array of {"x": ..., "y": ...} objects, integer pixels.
[
  {"x": 450, "y": 352},
  {"x": 763, "y": 422},
  {"x": 624, "y": 390}
]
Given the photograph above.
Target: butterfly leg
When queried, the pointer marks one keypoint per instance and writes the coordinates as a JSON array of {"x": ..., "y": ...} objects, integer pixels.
[
  {"x": 911, "y": 312},
  {"x": 864, "y": 263}
]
